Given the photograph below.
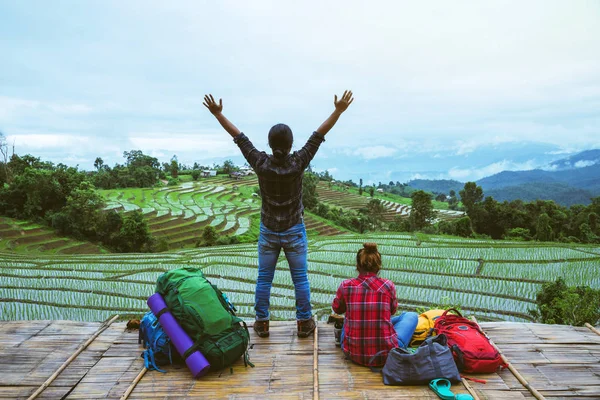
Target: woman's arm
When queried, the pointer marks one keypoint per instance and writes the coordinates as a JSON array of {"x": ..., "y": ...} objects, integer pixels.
[
  {"x": 393, "y": 300},
  {"x": 340, "y": 107},
  {"x": 216, "y": 110},
  {"x": 339, "y": 304}
]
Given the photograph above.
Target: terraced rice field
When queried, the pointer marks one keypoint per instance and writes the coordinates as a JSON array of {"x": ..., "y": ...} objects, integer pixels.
[
  {"x": 341, "y": 199},
  {"x": 179, "y": 213},
  {"x": 393, "y": 209},
  {"x": 403, "y": 210},
  {"x": 26, "y": 237},
  {"x": 493, "y": 280},
  {"x": 312, "y": 224}
]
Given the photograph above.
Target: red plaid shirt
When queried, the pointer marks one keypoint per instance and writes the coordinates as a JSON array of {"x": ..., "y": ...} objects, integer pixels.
[{"x": 369, "y": 303}]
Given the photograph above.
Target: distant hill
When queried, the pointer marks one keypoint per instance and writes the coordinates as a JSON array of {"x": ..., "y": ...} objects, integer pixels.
[
  {"x": 559, "y": 192},
  {"x": 587, "y": 178},
  {"x": 437, "y": 185},
  {"x": 579, "y": 160},
  {"x": 571, "y": 180}
]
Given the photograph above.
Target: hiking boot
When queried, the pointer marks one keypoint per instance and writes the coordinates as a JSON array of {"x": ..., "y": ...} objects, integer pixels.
[
  {"x": 338, "y": 336},
  {"x": 306, "y": 327},
  {"x": 261, "y": 328}
]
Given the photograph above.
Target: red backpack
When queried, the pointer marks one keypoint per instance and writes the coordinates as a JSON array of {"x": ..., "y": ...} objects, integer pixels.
[{"x": 470, "y": 347}]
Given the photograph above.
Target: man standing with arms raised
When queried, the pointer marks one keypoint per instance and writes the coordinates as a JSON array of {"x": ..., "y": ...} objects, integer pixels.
[{"x": 282, "y": 226}]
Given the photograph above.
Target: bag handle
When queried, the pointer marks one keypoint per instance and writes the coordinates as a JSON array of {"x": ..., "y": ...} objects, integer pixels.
[
  {"x": 434, "y": 360},
  {"x": 452, "y": 309},
  {"x": 430, "y": 333},
  {"x": 375, "y": 369},
  {"x": 440, "y": 339}
]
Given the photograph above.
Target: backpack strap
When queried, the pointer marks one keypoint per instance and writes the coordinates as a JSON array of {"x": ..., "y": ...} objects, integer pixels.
[
  {"x": 474, "y": 379},
  {"x": 224, "y": 300},
  {"x": 195, "y": 347},
  {"x": 246, "y": 355},
  {"x": 150, "y": 362},
  {"x": 227, "y": 305},
  {"x": 161, "y": 312},
  {"x": 170, "y": 358}
]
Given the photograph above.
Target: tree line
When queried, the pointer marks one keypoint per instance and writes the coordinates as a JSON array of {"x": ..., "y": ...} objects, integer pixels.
[
  {"x": 141, "y": 170},
  {"x": 542, "y": 220},
  {"x": 65, "y": 199}
]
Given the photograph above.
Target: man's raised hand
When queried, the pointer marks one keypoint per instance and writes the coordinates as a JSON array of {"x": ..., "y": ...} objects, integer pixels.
[
  {"x": 342, "y": 104},
  {"x": 215, "y": 109},
  {"x": 211, "y": 104}
]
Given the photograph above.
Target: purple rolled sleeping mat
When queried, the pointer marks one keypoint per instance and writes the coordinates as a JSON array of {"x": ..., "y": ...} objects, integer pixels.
[{"x": 196, "y": 362}]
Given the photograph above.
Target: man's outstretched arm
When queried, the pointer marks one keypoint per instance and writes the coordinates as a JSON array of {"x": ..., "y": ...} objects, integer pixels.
[
  {"x": 340, "y": 107},
  {"x": 248, "y": 150},
  {"x": 216, "y": 110},
  {"x": 309, "y": 150}
]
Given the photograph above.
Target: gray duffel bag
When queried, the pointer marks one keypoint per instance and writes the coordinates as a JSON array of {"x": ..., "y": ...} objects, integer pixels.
[{"x": 432, "y": 360}]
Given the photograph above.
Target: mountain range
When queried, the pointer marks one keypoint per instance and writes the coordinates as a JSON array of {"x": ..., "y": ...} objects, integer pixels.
[{"x": 567, "y": 181}]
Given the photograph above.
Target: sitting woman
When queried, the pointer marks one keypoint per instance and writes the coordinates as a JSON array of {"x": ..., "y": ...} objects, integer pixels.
[{"x": 369, "y": 331}]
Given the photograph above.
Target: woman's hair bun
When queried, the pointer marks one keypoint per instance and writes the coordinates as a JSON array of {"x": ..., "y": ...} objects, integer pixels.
[
  {"x": 370, "y": 247},
  {"x": 278, "y": 153}
]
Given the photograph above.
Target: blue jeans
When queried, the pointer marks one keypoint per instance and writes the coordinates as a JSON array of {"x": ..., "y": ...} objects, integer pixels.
[
  {"x": 404, "y": 325},
  {"x": 295, "y": 246}
]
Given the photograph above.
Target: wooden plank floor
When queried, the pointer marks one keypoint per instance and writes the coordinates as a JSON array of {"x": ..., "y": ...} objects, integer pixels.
[{"x": 559, "y": 361}]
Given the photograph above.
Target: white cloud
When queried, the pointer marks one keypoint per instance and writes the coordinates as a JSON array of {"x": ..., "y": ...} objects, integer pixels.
[
  {"x": 13, "y": 108},
  {"x": 74, "y": 159},
  {"x": 561, "y": 151},
  {"x": 418, "y": 176},
  {"x": 549, "y": 167},
  {"x": 464, "y": 147},
  {"x": 371, "y": 152},
  {"x": 50, "y": 141},
  {"x": 68, "y": 108},
  {"x": 67, "y": 148},
  {"x": 202, "y": 145},
  {"x": 473, "y": 174},
  {"x": 585, "y": 163}
]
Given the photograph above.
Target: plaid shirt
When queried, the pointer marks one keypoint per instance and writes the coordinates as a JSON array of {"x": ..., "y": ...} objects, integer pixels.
[
  {"x": 369, "y": 303},
  {"x": 280, "y": 181}
]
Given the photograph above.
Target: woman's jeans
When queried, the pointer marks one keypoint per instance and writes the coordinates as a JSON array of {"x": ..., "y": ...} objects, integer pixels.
[
  {"x": 294, "y": 244},
  {"x": 404, "y": 325}
]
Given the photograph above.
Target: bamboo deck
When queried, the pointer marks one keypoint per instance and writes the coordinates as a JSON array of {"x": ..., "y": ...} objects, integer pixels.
[{"x": 558, "y": 361}]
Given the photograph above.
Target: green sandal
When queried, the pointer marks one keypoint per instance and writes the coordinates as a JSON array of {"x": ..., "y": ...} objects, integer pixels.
[{"x": 441, "y": 387}]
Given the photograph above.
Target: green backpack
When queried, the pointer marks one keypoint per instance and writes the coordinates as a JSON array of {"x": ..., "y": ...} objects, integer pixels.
[{"x": 206, "y": 315}]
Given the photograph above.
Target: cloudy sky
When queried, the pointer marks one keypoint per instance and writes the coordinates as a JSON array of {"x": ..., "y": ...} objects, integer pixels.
[{"x": 456, "y": 89}]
